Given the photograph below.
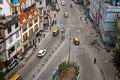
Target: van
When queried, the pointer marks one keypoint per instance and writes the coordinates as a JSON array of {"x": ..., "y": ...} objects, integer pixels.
[
  {"x": 55, "y": 32},
  {"x": 16, "y": 77}
]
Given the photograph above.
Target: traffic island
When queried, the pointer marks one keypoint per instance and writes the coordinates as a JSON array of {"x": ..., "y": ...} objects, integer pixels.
[{"x": 66, "y": 71}]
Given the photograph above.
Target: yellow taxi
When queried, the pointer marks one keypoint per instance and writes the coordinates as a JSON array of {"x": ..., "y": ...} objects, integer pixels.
[
  {"x": 66, "y": 14},
  {"x": 76, "y": 41},
  {"x": 16, "y": 77},
  {"x": 55, "y": 32}
]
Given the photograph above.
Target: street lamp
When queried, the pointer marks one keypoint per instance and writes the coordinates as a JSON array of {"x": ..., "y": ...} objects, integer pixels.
[{"x": 70, "y": 37}]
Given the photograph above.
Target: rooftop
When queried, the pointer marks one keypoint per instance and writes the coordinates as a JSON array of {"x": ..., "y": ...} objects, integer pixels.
[{"x": 6, "y": 21}]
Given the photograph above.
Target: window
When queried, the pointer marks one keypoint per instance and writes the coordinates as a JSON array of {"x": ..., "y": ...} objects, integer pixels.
[
  {"x": 30, "y": 24},
  {"x": 16, "y": 25},
  {"x": 0, "y": 47},
  {"x": 40, "y": 2},
  {"x": 11, "y": 50},
  {"x": 10, "y": 40},
  {"x": 37, "y": 0},
  {"x": 24, "y": 28},
  {"x": 0, "y": 34},
  {"x": 9, "y": 30},
  {"x": 1, "y": 1},
  {"x": 35, "y": 20},
  {"x": 17, "y": 34},
  {"x": 18, "y": 44}
]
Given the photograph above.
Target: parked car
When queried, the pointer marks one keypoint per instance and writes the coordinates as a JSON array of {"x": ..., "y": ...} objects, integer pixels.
[
  {"x": 20, "y": 57},
  {"x": 12, "y": 64},
  {"x": 42, "y": 53}
]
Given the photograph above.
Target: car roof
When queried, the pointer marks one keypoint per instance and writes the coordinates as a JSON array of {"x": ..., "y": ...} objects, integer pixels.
[
  {"x": 55, "y": 30},
  {"x": 15, "y": 76},
  {"x": 40, "y": 51},
  {"x": 76, "y": 38},
  {"x": 66, "y": 12}
]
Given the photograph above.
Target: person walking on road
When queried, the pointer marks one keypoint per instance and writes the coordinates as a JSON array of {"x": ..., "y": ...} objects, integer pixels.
[{"x": 94, "y": 60}]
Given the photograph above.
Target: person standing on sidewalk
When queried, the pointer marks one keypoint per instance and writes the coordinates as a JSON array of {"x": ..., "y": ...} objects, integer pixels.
[{"x": 94, "y": 60}]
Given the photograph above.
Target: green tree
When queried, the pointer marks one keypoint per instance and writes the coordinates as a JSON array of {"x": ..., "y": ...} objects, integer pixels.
[
  {"x": 116, "y": 57},
  {"x": 115, "y": 35}
]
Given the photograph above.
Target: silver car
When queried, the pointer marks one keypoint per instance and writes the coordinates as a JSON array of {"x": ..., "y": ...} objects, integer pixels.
[{"x": 41, "y": 53}]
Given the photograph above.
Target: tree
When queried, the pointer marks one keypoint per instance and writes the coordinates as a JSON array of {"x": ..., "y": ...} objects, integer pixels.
[{"x": 116, "y": 57}]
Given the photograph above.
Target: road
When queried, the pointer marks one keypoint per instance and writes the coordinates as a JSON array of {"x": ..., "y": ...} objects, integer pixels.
[{"x": 82, "y": 54}]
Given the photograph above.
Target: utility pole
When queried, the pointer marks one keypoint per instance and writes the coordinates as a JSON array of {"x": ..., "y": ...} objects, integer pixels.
[{"x": 69, "y": 43}]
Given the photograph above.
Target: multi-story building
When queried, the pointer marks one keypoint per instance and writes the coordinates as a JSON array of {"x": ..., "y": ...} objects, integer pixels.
[
  {"x": 29, "y": 23},
  {"x": 107, "y": 20},
  {"x": 94, "y": 11},
  {"x": 17, "y": 33},
  {"x": 5, "y": 9},
  {"x": 41, "y": 5},
  {"x": 14, "y": 6},
  {"x": 10, "y": 43}
]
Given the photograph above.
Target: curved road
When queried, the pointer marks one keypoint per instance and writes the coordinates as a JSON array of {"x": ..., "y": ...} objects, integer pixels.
[{"x": 82, "y": 54}]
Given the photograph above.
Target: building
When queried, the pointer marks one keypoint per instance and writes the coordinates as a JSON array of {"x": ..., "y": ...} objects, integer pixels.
[
  {"x": 10, "y": 43},
  {"x": 107, "y": 20},
  {"x": 41, "y": 5},
  {"x": 94, "y": 11},
  {"x": 5, "y": 9},
  {"x": 29, "y": 23}
]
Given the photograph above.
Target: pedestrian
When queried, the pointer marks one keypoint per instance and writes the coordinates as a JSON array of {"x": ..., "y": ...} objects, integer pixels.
[
  {"x": 80, "y": 18},
  {"x": 44, "y": 35},
  {"x": 54, "y": 15},
  {"x": 94, "y": 60},
  {"x": 39, "y": 39}
]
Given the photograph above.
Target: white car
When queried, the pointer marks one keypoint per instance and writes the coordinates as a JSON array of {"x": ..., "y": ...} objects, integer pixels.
[
  {"x": 41, "y": 53},
  {"x": 63, "y": 3}
]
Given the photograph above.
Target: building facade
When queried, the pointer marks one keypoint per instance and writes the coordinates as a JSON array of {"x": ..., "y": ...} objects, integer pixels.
[
  {"x": 5, "y": 9},
  {"x": 10, "y": 42},
  {"x": 94, "y": 11},
  {"x": 29, "y": 23},
  {"x": 41, "y": 5},
  {"x": 107, "y": 20}
]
